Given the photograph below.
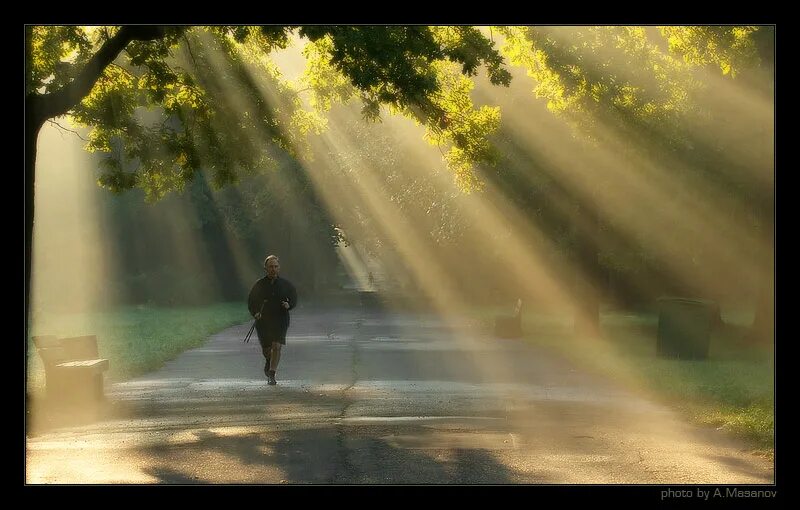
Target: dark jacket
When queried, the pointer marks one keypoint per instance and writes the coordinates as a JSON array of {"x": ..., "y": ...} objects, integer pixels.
[{"x": 274, "y": 320}]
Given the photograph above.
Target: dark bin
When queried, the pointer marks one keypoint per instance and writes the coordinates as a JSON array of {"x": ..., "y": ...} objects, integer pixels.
[
  {"x": 370, "y": 299},
  {"x": 684, "y": 327}
]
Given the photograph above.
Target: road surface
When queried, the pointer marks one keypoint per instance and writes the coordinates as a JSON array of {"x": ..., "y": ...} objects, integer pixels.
[{"x": 382, "y": 398}]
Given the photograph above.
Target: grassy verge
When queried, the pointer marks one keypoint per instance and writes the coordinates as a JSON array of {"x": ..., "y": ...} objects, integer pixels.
[
  {"x": 733, "y": 390},
  {"x": 135, "y": 339}
]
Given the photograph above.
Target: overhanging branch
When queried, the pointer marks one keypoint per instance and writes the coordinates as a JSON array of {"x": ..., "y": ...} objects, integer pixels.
[{"x": 40, "y": 107}]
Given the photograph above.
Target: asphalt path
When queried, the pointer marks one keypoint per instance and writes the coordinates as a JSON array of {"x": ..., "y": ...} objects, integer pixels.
[{"x": 367, "y": 397}]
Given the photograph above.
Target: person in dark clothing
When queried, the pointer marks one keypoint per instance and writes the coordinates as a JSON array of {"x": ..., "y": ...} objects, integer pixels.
[{"x": 269, "y": 303}]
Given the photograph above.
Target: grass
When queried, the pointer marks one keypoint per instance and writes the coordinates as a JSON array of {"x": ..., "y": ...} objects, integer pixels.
[
  {"x": 135, "y": 339},
  {"x": 732, "y": 390}
]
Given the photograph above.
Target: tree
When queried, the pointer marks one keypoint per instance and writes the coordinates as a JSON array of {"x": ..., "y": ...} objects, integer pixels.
[
  {"x": 161, "y": 101},
  {"x": 156, "y": 101},
  {"x": 641, "y": 84}
]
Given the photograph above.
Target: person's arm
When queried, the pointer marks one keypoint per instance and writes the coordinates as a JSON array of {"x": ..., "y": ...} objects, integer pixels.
[
  {"x": 254, "y": 301},
  {"x": 291, "y": 295}
]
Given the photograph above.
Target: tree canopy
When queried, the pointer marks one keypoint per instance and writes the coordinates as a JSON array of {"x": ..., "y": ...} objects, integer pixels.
[
  {"x": 158, "y": 100},
  {"x": 163, "y": 103}
]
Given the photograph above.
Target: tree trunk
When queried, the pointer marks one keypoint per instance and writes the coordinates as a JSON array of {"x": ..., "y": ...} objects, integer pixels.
[
  {"x": 32, "y": 128},
  {"x": 41, "y": 107}
]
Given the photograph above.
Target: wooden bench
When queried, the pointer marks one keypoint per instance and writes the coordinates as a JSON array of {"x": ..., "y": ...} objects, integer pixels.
[
  {"x": 509, "y": 327},
  {"x": 73, "y": 369}
]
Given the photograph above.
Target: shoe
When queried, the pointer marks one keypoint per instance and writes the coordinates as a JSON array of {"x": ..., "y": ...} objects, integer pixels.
[
  {"x": 271, "y": 378},
  {"x": 266, "y": 368}
]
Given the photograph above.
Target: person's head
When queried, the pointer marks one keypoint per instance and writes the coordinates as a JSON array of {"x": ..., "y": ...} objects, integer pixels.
[{"x": 272, "y": 266}]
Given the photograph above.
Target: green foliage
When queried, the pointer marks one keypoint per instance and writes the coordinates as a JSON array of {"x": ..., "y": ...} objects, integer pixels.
[
  {"x": 328, "y": 84},
  {"x": 730, "y": 48},
  {"x": 209, "y": 99},
  {"x": 632, "y": 75},
  {"x": 394, "y": 65},
  {"x": 391, "y": 65},
  {"x": 649, "y": 94},
  {"x": 413, "y": 71},
  {"x": 191, "y": 98},
  {"x": 586, "y": 73},
  {"x": 188, "y": 100},
  {"x": 57, "y": 54},
  {"x": 466, "y": 127}
]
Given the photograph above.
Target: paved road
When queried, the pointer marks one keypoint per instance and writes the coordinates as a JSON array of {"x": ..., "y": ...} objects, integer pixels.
[{"x": 370, "y": 398}]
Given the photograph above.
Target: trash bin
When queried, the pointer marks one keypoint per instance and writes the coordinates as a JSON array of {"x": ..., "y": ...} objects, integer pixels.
[
  {"x": 684, "y": 327},
  {"x": 370, "y": 299}
]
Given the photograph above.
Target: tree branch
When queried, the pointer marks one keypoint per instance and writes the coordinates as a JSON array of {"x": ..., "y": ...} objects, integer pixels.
[
  {"x": 189, "y": 47},
  {"x": 40, "y": 107},
  {"x": 67, "y": 129}
]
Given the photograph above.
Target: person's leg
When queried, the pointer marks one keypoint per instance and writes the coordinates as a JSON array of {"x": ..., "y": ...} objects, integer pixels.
[
  {"x": 266, "y": 350},
  {"x": 275, "y": 357}
]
